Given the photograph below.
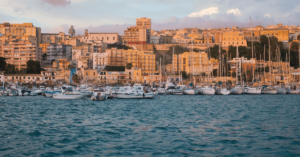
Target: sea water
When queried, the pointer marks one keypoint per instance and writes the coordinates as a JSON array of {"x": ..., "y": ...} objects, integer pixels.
[{"x": 187, "y": 125}]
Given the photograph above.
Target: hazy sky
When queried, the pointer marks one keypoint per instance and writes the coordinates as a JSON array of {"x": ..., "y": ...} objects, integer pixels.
[{"x": 116, "y": 15}]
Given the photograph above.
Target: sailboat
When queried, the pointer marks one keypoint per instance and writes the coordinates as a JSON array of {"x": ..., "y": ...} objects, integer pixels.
[
  {"x": 252, "y": 90},
  {"x": 190, "y": 91},
  {"x": 269, "y": 89},
  {"x": 237, "y": 90}
]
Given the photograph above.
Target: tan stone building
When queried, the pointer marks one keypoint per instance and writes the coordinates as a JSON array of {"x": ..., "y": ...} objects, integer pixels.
[
  {"x": 281, "y": 33},
  {"x": 144, "y": 22},
  {"x": 24, "y": 29},
  {"x": 233, "y": 38},
  {"x": 18, "y": 53}
]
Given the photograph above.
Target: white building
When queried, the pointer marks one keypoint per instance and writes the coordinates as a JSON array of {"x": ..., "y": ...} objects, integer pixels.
[
  {"x": 99, "y": 60},
  {"x": 154, "y": 39},
  {"x": 58, "y": 51},
  {"x": 109, "y": 38}
]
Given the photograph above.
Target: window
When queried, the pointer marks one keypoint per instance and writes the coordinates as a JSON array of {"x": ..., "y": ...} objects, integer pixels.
[
  {"x": 28, "y": 77},
  {"x": 107, "y": 38},
  {"x": 114, "y": 38}
]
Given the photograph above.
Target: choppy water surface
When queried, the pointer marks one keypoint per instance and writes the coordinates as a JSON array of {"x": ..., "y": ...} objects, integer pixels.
[{"x": 264, "y": 125}]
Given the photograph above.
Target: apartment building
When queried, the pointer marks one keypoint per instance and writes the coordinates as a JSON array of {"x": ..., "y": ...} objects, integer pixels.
[
  {"x": 109, "y": 38},
  {"x": 56, "y": 52},
  {"x": 144, "y": 22},
  {"x": 19, "y": 52},
  {"x": 233, "y": 38},
  {"x": 137, "y": 35},
  {"x": 145, "y": 60},
  {"x": 24, "y": 29},
  {"x": 281, "y": 34},
  {"x": 99, "y": 60},
  {"x": 192, "y": 63}
]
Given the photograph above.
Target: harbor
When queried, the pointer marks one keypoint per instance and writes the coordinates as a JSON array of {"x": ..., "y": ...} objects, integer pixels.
[{"x": 172, "y": 125}]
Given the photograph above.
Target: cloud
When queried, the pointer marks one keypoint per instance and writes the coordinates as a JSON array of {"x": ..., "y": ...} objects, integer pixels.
[
  {"x": 207, "y": 11},
  {"x": 235, "y": 11},
  {"x": 267, "y": 15},
  {"x": 58, "y": 2}
]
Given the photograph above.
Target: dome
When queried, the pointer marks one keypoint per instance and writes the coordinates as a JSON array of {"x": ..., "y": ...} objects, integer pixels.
[{"x": 72, "y": 30}]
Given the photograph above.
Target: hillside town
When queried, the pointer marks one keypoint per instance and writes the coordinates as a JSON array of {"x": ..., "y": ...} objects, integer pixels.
[{"x": 143, "y": 55}]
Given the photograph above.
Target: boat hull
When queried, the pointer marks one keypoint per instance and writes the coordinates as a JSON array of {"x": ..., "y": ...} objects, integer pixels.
[
  {"x": 207, "y": 92},
  {"x": 273, "y": 92},
  {"x": 190, "y": 92},
  {"x": 68, "y": 96},
  {"x": 136, "y": 96},
  {"x": 252, "y": 91},
  {"x": 235, "y": 91}
]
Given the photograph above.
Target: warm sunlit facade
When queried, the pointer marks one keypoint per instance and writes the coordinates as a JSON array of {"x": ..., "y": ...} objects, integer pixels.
[
  {"x": 233, "y": 38},
  {"x": 18, "y": 53},
  {"x": 191, "y": 63}
]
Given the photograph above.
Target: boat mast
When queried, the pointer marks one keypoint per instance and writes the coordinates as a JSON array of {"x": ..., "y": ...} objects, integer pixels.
[
  {"x": 289, "y": 63},
  {"x": 160, "y": 72},
  {"x": 173, "y": 61},
  {"x": 252, "y": 48},
  {"x": 236, "y": 65},
  {"x": 264, "y": 63},
  {"x": 270, "y": 71}
]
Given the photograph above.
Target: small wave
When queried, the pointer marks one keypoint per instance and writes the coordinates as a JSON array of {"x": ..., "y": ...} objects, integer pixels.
[{"x": 35, "y": 133}]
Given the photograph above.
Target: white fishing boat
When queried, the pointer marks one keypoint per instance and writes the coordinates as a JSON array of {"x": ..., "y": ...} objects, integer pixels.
[
  {"x": 190, "y": 91},
  {"x": 238, "y": 90},
  {"x": 292, "y": 90},
  {"x": 252, "y": 90},
  {"x": 268, "y": 90},
  {"x": 206, "y": 90},
  {"x": 68, "y": 93},
  {"x": 162, "y": 91},
  {"x": 13, "y": 93},
  {"x": 281, "y": 91},
  {"x": 138, "y": 92},
  {"x": 98, "y": 96},
  {"x": 179, "y": 90},
  {"x": 222, "y": 91},
  {"x": 170, "y": 87}
]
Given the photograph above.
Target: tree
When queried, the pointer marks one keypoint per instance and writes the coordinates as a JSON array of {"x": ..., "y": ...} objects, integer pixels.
[
  {"x": 33, "y": 67},
  {"x": 118, "y": 46},
  {"x": 295, "y": 46},
  {"x": 264, "y": 40},
  {"x": 184, "y": 75},
  {"x": 10, "y": 69},
  {"x": 129, "y": 65},
  {"x": 2, "y": 63},
  {"x": 214, "y": 51},
  {"x": 75, "y": 78},
  {"x": 44, "y": 56},
  {"x": 114, "y": 68}
]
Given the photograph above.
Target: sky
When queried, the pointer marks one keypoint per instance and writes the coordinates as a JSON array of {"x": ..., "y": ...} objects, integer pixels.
[{"x": 112, "y": 16}]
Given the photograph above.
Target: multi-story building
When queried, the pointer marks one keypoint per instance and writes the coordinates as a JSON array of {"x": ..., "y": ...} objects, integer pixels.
[
  {"x": 281, "y": 34},
  {"x": 82, "y": 56},
  {"x": 50, "y": 38},
  {"x": 25, "y": 29},
  {"x": 192, "y": 63},
  {"x": 144, "y": 22},
  {"x": 137, "y": 35},
  {"x": 99, "y": 60},
  {"x": 109, "y": 38},
  {"x": 145, "y": 60},
  {"x": 233, "y": 38},
  {"x": 56, "y": 52},
  {"x": 19, "y": 52}
]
